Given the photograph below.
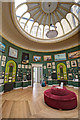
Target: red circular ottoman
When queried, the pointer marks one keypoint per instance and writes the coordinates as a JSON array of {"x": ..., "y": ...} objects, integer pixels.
[{"x": 60, "y": 98}]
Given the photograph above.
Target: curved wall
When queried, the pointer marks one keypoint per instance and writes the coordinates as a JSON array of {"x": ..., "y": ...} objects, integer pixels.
[{"x": 32, "y": 53}]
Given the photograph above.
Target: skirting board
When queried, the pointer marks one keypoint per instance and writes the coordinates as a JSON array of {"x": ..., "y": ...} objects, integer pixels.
[
  {"x": 24, "y": 87},
  {"x": 17, "y": 88}
]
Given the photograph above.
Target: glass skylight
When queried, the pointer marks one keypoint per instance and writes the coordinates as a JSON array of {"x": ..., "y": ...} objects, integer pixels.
[{"x": 34, "y": 20}]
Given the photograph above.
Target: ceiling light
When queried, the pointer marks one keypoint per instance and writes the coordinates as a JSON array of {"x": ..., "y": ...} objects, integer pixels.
[{"x": 52, "y": 34}]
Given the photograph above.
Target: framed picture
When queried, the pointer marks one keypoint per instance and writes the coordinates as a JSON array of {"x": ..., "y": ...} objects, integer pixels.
[
  {"x": 3, "y": 63},
  {"x": 78, "y": 64},
  {"x": 29, "y": 66},
  {"x": 22, "y": 66},
  {"x": 25, "y": 58},
  {"x": 19, "y": 65},
  {"x": 73, "y": 63},
  {"x": 13, "y": 52},
  {"x": 68, "y": 66},
  {"x": 44, "y": 67},
  {"x": 2, "y": 47},
  {"x": 26, "y": 66},
  {"x": 54, "y": 71},
  {"x": 47, "y": 58},
  {"x": 53, "y": 67},
  {"x": 4, "y": 58},
  {"x": 53, "y": 63},
  {"x": 48, "y": 65},
  {"x": 68, "y": 62},
  {"x": 60, "y": 57},
  {"x": 0, "y": 57},
  {"x": 73, "y": 55},
  {"x": 36, "y": 58},
  {"x": 78, "y": 60}
]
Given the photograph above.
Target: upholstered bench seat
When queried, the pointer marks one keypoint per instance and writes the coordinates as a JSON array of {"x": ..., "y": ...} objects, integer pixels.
[{"x": 60, "y": 98}]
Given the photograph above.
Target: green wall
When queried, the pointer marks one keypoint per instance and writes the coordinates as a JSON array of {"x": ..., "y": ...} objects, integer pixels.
[{"x": 31, "y": 54}]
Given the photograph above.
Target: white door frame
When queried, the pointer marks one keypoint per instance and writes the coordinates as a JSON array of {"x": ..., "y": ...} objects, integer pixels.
[{"x": 35, "y": 65}]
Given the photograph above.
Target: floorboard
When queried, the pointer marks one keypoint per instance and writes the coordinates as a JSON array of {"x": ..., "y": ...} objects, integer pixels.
[{"x": 29, "y": 103}]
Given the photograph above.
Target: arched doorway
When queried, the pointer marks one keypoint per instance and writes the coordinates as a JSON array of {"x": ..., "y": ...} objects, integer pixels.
[
  {"x": 10, "y": 72},
  {"x": 61, "y": 71}
]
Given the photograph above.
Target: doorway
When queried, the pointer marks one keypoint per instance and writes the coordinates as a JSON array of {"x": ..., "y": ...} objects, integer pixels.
[{"x": 37, "y": 73}]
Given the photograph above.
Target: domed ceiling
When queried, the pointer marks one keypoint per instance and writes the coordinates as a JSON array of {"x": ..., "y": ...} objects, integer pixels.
[
  {"x": 47, "y": 21},
  {"x": 60, "y": 20}
]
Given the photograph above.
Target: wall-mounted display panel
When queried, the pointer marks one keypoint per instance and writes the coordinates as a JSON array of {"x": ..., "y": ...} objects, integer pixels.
[
  {"x": 2, "y": 47},
  {"x": 25, "y": 58},
  {"x": 13, "y": 52},
  {"x": 60, "y": 57},
  {"x": 73, "y": 55},
  {"x": 47, "y": 58},
  {"x": 36, "y": 58}
]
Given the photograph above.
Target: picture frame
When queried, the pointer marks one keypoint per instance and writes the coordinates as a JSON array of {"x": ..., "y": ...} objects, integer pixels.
[
  {"x": 53, "y": 63},
  {"x": 74, "y": 63},
  {"x": 13, "y": 52},
  {"x": 60, "y": 57},
  {"x": 68, "y": 62},
  {"x": 29, "y": 66},
  {"x": 2, "y": 47},
  {"x": 25, "y": 58},
  {"x": 47, "y": 58},
  {"x": 44, "y": 67},
  {"x": 22, "y": 66},
  {"x": 0, "y": 58},
  {"x": 53, "y": 67},
  {"x": 78, "y": 64},
  {"x": 37, "y": 58},
  {"x": 3, "y": 58},
  {"x": 68, "y": 66},
  {"x": 19, "y": 65},
  {"x": 78, "y": 60},
  {"x": 3, "y": 63},
  {"x": 49, "y": 65},
  {"x": 54, "y": 71},
  {"x": 73, "y": 55},
  {"x": 26, "y": 66}
]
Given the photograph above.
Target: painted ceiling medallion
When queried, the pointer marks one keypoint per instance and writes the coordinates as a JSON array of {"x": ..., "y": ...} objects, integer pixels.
[{"x": 48, "y": 7}]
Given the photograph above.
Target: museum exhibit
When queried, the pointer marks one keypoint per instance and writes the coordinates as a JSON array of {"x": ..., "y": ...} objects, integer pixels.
[{"x": 39, "y": 59}]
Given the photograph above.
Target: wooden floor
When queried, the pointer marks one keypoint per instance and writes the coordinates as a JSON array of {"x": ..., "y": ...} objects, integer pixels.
[{"x": 29, "y": 103}]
